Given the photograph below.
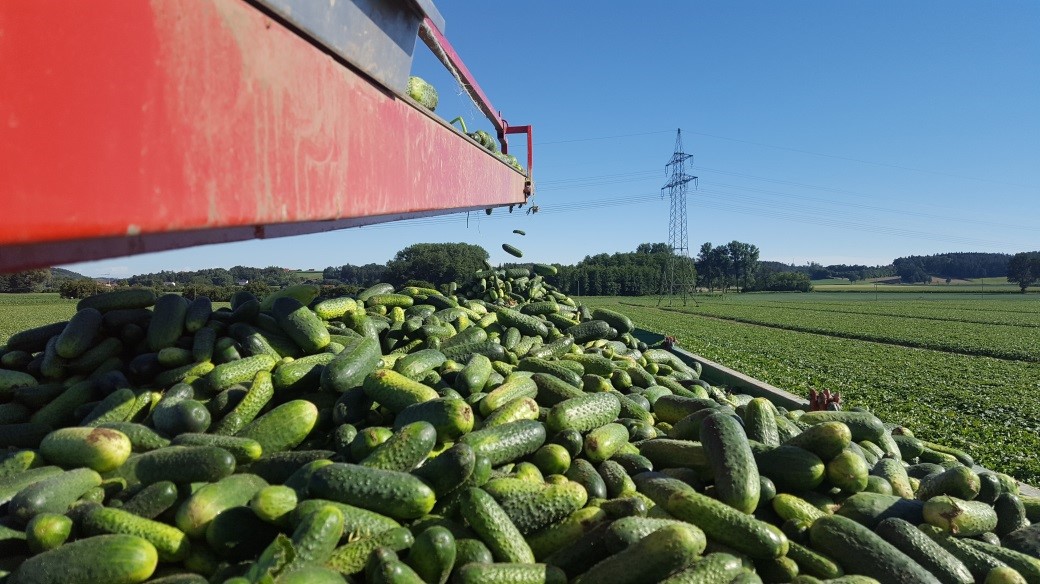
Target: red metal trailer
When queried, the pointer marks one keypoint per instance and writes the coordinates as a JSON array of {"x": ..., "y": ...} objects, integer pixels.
[{"x": 132, "y": 126}]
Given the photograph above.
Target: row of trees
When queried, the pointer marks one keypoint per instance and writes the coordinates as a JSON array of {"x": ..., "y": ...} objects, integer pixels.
[
  {"x": 636, "y": 273},
  {"x": 961, "y": 265},
  {"x": 717, "y": 267},
  {"x": 238, "y": 275}
]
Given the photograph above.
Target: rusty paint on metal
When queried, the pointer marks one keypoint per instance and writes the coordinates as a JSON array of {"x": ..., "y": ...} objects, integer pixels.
[{"x": 195, "y": 121}]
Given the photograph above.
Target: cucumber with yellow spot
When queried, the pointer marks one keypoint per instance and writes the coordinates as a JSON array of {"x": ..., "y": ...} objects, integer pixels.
[{"x": 100, "y": 449}]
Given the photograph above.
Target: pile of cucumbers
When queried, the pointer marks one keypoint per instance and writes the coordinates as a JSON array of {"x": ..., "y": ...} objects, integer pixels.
[{"x": 497, "y": 432}]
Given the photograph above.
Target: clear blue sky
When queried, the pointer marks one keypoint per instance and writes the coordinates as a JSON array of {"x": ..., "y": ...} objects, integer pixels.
[{"x": 851, "y": 132}]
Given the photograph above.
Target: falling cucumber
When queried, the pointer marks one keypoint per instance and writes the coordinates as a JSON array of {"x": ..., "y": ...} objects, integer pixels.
[{"x": 512, "y": 250}]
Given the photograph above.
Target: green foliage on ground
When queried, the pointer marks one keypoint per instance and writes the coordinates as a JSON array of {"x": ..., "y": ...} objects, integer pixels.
[{"x": 985, "y": 405}]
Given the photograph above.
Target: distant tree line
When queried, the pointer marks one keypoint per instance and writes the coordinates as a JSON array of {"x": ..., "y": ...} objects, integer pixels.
[
  {"x": 41, "y": 280},
  {"x": 961, "y": 265},
  {"x": 637, "y": 273}
]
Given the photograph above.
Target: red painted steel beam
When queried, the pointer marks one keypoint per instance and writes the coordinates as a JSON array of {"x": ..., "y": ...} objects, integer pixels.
[{"x": 128, "y": 127}]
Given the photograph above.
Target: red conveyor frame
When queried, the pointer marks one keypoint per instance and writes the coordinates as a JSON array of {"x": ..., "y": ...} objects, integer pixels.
[{"x": 135, "y": 126}]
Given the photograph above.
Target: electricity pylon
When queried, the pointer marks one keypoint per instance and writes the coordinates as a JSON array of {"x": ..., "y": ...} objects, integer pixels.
[{"x": 678, "y": 270}]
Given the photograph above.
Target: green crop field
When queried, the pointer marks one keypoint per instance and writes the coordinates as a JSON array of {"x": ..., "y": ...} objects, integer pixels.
[
  {"x": 23, "y": 311},
  {"x": 989, "y": 406},
  {"x": 986, "y": 285}
]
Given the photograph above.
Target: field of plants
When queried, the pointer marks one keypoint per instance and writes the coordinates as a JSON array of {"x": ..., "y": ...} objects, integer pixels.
[
  {"x": 23, "y": 311},
  {"x": 986, "y": 405},
  {"x": 999, "y": 327}
]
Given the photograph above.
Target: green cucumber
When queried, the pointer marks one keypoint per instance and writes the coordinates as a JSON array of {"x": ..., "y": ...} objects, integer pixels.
[
  {"x": 167, "y": 324},
  {"x": 813, "y": 563},
  {"x": 922, "y": 549},
  {"x": 893, "y": 471},
  {"x": 113, "y": 559},
  {"x": 300, "y": 375},
  {"x": 261, "y": 391},
  {"x": 760, "y": 422},
  {"x": 605, "y": 441},
  {"x": 300, "y": 324},
  {"x": 848, "y": 471},
  {"x": 517, "y": 573},
  {"x": 451, "y": 417},
  {"x": 351, "y": 558},
  {"x": 47, "y": 531},
  {"x": 714, "y": 568},
  {"x": 153, "y": 500},
  {"x": 979, "y": 563},
  {"x": 862, "y": 425},
  {"x": 284, "y": 427},
  {"x": 532, "y": 506},
  {"x": 243, "y": 370},
  {"x": 585, "y": 413},
  {"x": 124, "y": 299},
  {"x": 736, "y": 472},
  {"x": 861, "y": 551},
  {"x": 395, "y": 494},
  {"x": 432, "y": 556},
  {"x": 142, "y": 438},
  {"x": 871, "y": 508},
  {"x": 514, "y": 387},
  {"x": 960, "y": 482},
  {"x": 792, "y": 469},
  {"x": 357, "y": 522},
  {"x": 185, "y": 464},
  {"x": 171, "y": 543},
  {"x": 53, "y": 494},
  {"x": 826, "y": 439},
  {"x": 446, "y": 471},
  {"x": 508, "y": 442},
  {"x": 494, "y": 527},
  {"x": 727, "y": 525},
  {"x": 117, "y": 406},
  {"x": 405, "y": 450},
  {"x": 79, "y": 334},
  {"x": 564, "y": 533},
  {"x": 245, "y": 450},
  {"x": 394, "y": 391},
  {"x": 474, "y": 376},
  {"x": 195, "y": 514},
  {"x": 666, "y": 550},
  {"x": 316, "y": 536}
]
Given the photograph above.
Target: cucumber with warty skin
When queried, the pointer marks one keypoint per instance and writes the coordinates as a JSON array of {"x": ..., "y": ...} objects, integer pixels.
[
  {"x": 930, "y": 555},
  {"x": 494, "y": 527},
  {"x": 394, "y": 494},
  {"x": 863, "y": 552},
  {"x": 736, "y": 472},
  {"x": 171, "y": 543},
  {"x": 727, "y": 525}
]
